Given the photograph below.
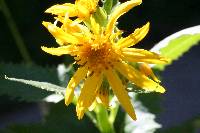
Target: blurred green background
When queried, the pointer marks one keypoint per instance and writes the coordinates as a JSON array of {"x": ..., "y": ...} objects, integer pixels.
[{"x": 166, "y": 17}]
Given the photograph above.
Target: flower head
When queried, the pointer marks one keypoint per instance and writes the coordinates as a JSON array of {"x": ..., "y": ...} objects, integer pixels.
[
  {"x": 81, "y": 9},
  {"x": 103, "y": 54}
]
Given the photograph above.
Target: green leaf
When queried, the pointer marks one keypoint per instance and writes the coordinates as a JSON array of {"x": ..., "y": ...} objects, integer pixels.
[
  {"x": 152, "y": 101},
  {"x": 22, "y": 71},
  {"x": 177, "y": 47},
  {"x": 42, "y": 85},
  {"x": 60, "y": 119},
  {"x": 177, "y": 44}
]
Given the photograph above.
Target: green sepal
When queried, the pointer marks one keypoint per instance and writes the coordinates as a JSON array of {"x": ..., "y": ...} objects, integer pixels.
[
  {"x": 107, "y": 5},
  {"x": 101, "y": 16}
]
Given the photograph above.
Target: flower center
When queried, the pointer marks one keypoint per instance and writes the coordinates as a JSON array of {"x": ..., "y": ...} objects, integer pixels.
[{"x": 96, "y": 57}]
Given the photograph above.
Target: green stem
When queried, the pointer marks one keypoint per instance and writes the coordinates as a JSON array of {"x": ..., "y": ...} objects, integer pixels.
[
  {"x": 103, "y": 122},
  {"x": 90, "y": 115},
  {"x": 113, "y": 113},
  {"x": 92, "y": 118},
  {"x": 15, "y": 32}
]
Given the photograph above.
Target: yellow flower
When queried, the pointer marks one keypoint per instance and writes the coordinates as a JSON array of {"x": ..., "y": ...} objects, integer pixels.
[
  {"x": 103, "y": 54},
  {"x": 82, "y": 9}
]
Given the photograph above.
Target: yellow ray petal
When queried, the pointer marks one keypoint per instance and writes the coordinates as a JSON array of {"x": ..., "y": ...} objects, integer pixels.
[
  {"x": 88, "y": 93},
  {"x": 80, "y": 111},
  {"x": 86, "y": 7},
  {"x": 143, "y": 60},
  {"x": 94, "y": 26},
  {"x": 145, "y": 69},
  {"x": 121, "y": 93},
  {"x": 136, "y": 50},
  {"x": 141, "y": 55},
  {"x": 120, "y": 10},
  {"x": 88, "y": 4},
  {"x": 83, "y": 12},
  {"x": 135, "y": 37},
  {"x": 138, "y": 78},
  {"x": 61, "y": 10},
  {"x": 103, "y": 96},
  {"x": 93, "y": 4},
  {"x": 60, "y": 50},
  {"x": 59, "y": 34},
  {"x": 74, "y": 81},
  {"x": 69, "y": 25}
]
